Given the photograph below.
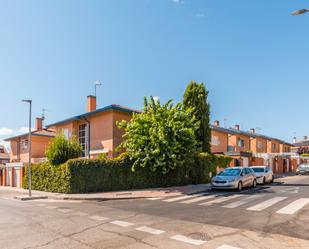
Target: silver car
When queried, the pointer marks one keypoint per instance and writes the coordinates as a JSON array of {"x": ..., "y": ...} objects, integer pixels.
[
  {"x": 263, "y": 174},
  {"x": 302, "y": 169},
  {"x": 234, "y": 178}
]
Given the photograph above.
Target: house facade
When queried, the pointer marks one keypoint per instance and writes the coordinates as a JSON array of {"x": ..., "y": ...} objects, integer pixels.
[
  {"x": 97, "y": 129},
  {"x": 40, "y": 138},
  {"x": 4, "y": 155},
  {"x": 248, "y": 148}
]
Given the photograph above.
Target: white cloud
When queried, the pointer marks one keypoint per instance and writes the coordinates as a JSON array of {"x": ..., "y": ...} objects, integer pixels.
[
  {"x": 179, "y": 1},
  {"x": 200, "y": 15},
  {"x": 23, "y": 130},
  {"x": 4, "y": 131}
]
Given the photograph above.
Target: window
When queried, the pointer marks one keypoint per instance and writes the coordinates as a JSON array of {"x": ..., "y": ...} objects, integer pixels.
[
  {"x": 66, "y": 133},
  {"x": 230, "y": 148},
  {"x": 1, "y": 150},
  {"x": 240, "y": 142},
  {"x": 274, "y": 147},
  {"x": 82, "y": 138},
  {"x": 215, "y": 140},
  {"x": 24, "y": 144},
  {"x": 259, "y": 145}
]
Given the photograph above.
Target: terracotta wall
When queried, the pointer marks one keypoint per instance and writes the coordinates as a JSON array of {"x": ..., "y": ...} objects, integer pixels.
[
  {"x": 218, "y": 141},
  {"x": 271, "y": 149},
  {"x": 233, "y": 141},
  {"x": 258, "y": 145}
]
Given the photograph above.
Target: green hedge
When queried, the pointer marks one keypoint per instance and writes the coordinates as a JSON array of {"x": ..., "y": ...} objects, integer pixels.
[{"x": 87, "y": 175}]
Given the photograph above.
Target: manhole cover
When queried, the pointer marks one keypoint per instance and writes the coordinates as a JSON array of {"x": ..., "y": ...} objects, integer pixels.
[{"x": 199, "y": 236}]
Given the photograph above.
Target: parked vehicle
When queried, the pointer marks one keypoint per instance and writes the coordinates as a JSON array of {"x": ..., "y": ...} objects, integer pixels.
[
  {"x": 264, "y": 174},
  {"x": 302, "y": 169},
  {"x": 234, "y": 178}
]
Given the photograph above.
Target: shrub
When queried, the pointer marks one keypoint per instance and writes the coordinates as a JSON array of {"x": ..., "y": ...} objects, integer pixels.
[
  {"x": 88, "y": 175},
  {"x": 161, "y": 138},
  {"x": 60, "y": 149}
]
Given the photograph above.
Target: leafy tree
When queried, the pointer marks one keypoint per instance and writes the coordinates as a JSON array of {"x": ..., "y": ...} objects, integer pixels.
[
  {"x": 60, "y": 149},
  {"x": 195, "y": 98},
  {"x": 162, "y": 137}
]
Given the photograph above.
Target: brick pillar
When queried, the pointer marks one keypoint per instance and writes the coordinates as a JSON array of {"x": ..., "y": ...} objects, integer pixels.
[{"x": 4, "y": 177}]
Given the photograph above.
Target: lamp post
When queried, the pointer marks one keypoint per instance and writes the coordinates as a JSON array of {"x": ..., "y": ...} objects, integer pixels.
[
  {"x": 300, "y": 12},
  {"x": 29, "y": 145}
]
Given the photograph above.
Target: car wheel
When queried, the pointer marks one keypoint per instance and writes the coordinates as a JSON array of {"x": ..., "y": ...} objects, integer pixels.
[
  {"x": 254, "y": 184},
  {"x": 264, "y": 181},
  {"x": 272, "y": 179},
  {"x": 239, "y": 187}
]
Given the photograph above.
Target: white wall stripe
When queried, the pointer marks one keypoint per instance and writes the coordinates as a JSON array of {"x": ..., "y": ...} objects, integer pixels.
[
  {"x": 242, "y": 202},
  {"x": 180, "y": 198},
  {"x": 150, "y": 230},
  {"x": 121, "y": 223},
  {"x": 99, "y": 218},
  {"x": 188, "y": 240},
  {"x": 227, "y": 247},
  {"x": 220, "y": 200},
  {"x": 266, "y": 204},
  {"x": 295, "y": 206}
]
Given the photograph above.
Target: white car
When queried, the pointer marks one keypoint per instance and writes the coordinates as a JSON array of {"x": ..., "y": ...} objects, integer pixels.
[{"x": 264, "y": 174}]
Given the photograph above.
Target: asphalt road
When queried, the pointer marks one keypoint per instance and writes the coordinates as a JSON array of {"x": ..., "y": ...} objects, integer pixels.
[{"x": 272, "y": 216}]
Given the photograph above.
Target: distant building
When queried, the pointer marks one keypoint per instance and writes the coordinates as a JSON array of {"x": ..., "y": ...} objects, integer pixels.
[
  {"x": 248, "y": 148},
  {"x": 4, "y": 155}
]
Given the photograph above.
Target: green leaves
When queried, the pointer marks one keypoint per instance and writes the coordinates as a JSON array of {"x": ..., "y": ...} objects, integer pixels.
[
  {"x": 60, "y": 149},
  {"x": 162, "y": 137},
  {"x": 195, "y": 100}
]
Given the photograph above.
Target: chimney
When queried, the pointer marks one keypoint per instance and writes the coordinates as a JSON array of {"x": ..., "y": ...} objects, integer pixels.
[
  {"x": 91, "y": 103},
  {"x": 216, "y": 123},
  {"x": 305, "y": 137},
  {"x": 294, "y": 140},
  {"x": 236, "y": 127},
  {"x": 38, "y": 124},
  {"x": 252, "y": 130}
]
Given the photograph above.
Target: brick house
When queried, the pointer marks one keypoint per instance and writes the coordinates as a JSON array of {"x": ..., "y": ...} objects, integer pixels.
[{"x": 96, "y": 129}]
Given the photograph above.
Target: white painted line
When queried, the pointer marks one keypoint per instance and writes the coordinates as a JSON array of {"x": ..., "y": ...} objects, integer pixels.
[
  {"x": 64, "y": 210},
  {"x": 51, "y": 207},
  {"x": 180, "y": 198},
  {"x": 242, "y": 202},
  {"x": 150, "y": 230},
  {"x": 201, "y": 198},
  {"x": 185, "y": 239},
  {"x": 266, "y": 204},
  {"x": 99, "y": 218},
  {"x": 80, "y": 213},
  {"x": 121, "y": 223},
  {"x": 41, "y": 205},
  {"x": 155, "y": 198},
  {"x": 293, "y": 207},
  {"x": 227, "y": 247},
  {"x": 220, "y": 200}
]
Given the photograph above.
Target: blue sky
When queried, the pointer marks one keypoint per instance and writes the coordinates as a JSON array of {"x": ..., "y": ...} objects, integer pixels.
[{"x": 252, "y": 55}]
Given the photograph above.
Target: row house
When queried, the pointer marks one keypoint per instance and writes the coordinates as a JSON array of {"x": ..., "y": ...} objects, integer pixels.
[
  {"x": 248, "y": 148},
  {"x": 4, "y": 155}
]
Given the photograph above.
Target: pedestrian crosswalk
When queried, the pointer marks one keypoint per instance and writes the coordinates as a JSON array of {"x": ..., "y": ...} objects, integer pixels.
[{"x": 255, "y": 202}]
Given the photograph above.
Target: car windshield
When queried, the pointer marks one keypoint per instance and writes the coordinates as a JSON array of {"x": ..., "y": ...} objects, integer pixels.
[
  {"x": 229, "y": 172},
  {"x": 258, "y": 170},
  {"x": 303, "y": 166}
]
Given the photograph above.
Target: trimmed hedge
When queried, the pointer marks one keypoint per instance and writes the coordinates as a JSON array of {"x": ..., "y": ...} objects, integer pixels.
[{"x": 87, "y": 175}]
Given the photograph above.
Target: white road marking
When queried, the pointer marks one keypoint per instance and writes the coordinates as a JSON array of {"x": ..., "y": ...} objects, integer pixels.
[
  {"x": 185, "y": 239},
  {"x": 220, "y": 200},
  {"x": 80, "y": 213},
  {"x": 242, "y": 202},
  {"x": 180, "y": 198},
  {"x": 99, "y": 218},
  {"x": 149, "y": 230},
  {"x": 155, "y": 198},
  {"x": 121, "y": 223},
  {"x": 293, "y": 190},
  {"x": 201, "y": 198},
  {"x": 41, "y": 205},
  {"x": 64, "y": 210},
  {"x": 266, "y": 204},
  {"x": 227, "y": 247},
  {"x": 51, "y": 207},
  {"x": 293, "y": 207}
]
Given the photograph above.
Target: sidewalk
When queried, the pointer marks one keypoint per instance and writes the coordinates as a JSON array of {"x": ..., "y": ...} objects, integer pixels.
[{"x": 115, "y": 195}]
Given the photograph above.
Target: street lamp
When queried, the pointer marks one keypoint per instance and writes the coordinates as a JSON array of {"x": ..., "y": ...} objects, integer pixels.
[
  {"x": 29, "y": 145},
  {"x": 299, "y": 12},
  {"x": 97, "y": 83}
]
